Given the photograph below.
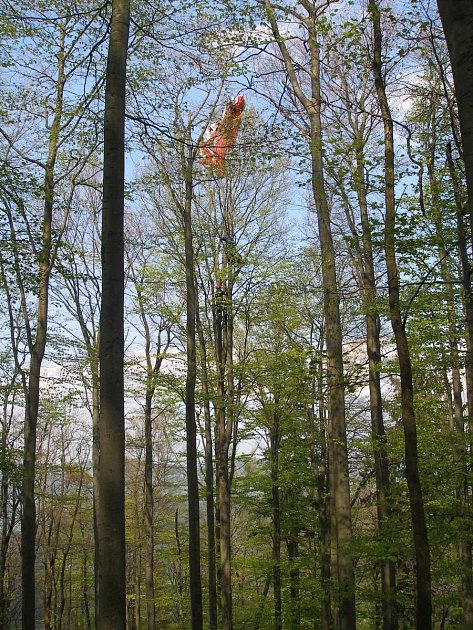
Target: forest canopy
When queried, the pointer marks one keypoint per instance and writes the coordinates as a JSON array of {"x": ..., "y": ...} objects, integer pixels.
[{"x": 236, "y": 314}]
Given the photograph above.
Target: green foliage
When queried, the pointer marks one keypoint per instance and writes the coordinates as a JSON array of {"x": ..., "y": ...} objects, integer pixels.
[{"x": 186, "y": 59}]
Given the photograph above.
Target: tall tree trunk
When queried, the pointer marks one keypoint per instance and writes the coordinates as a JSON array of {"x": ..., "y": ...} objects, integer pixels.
[
  {"x": 110, "y": 507},
  {"x": 423, "y": 583},
  {"x": 274, "y": 443},
  {"x": 364, "y": 262},
  {"x": 191, "y": 429},
  {"x": 294, "y": 576},
  {"x": 344, "y": 610},
  {"x": 343, "y": 569},
  {"x": 225, "y": 488},
  {"x": 149, "y": 508},
  {"x": 222, "y": 477},
  {"x": 37, "y": 349},
  {"x": 466, "y": 551},
  {"x": 152, "y": 371},
  {"x": 224, "y": 412},
  {"x": 457, "y": 423},
  {"x": 209, "y": 480},
  {"x": 85, "y": 587},
  {"x": 320, "y": 470},
  {"x": 457, "y": 22},
  {"x": 8, "y": 513}
]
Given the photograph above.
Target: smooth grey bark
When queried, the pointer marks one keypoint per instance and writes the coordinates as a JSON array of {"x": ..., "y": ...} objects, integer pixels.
[
  {"x": 222, "y": 477},
  {"x": 365, "y": 269},
  {"x": 154, "y": 359},
  {"x": 110, "y": 506},
  {"x": 9, "y": 496},
  {"x": 457, "y": 22},
  {"x": 466, "y": 551},
  {"x": 423, "y": 581},
  {"x": 317, "y": 417},
  {"x": 223, "y": 316},
  {"x": 209, "y": 480},
  {"x": 274, "y": 445},
  {"x": 37, "y": 349},
  {"x": 191, "y": 427},
  {"x": 343, "y": 600}
]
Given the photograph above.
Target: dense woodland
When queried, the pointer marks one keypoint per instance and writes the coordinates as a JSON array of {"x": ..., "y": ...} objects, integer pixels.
[{"x": 237, "y": 397}]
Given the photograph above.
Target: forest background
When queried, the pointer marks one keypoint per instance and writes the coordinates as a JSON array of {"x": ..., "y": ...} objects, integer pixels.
[{"x": 298, "y": 326}]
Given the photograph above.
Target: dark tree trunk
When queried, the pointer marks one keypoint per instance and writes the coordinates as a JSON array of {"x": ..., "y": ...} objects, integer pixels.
[
  {"x": 457, "y": 22},
  {"x": 149, "y": 508},
  {"x": 8, "y": 513},
  {"x": 466, "y": 552},
  {"x": 320, "y": 470},
  {"x": 343, "y": 571},
  {"x": 366, "y": 272},
  {"x": 209, "y": 481},
  {"x": 292, "y": 544},
  {"x": 264, "y": 594},
  {"x": 37, "y": 349},
  {"x": 274, "y": 441},
  {"x": 423, "y": 584},
  {"x": 343, "y": 601},
  {"x": 191, "y": 429},
  {"x": 110, "y": 507},
  {"x": 222, "y": 477},
  {"x": 225, "y": 420}
]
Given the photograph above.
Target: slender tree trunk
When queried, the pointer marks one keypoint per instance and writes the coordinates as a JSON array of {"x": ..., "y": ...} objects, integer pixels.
[
  {"x": 457, "y": 420},
  {"x": 423, "y": 618},
  {"x": 224, "y": 412},
  {"x": 180, "y": 585},
  {"x": 219, "y": 427},
  {"x": 4, "y": 544},
  {"x": 209, "y": 480},
  {"x": 274, "y": 440},
  {"x": 466, "y": 550},
  {"x": 222, "y": 479},
  {"x": 85, "y": 588},
  {"x": 191, "y": 429},
  {"x": 294, "y": 576},
  {"x": 8, "y": 512},
  {"x": 456, "y": 402},
  {"x": 225, "y": 487},
  {"x": 153, "y": 367},
  {"x": 343, "y": 569},
  {"x": 264, "y": 594},
  {"x": 91, "y": 342},
  {"x": 320, "y": 469},
  {"x": 345, "y": 616},
  {"x": 366, "y": 273},
  {"x": 457, "y": 22},
  {"x": 149, "y": 509},
  {"x": 37, "y": 348},
  {"x": 110, "y": 507}
]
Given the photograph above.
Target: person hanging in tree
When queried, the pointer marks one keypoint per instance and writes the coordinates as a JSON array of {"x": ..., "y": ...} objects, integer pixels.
[
  {"x": 233, "y": 256},
  {"x": 221, "y": 298}
]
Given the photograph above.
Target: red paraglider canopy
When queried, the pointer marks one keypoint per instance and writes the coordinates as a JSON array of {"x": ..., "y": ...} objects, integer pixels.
[{"x": 222, "y": 138}]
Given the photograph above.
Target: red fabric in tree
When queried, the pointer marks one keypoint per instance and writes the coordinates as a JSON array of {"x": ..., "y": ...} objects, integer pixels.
[{"x": 221, "y": 140}]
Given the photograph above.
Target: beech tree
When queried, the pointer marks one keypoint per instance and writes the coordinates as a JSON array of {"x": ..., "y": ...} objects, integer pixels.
[
  {"x": 310, "y": 102},
  {"x": 276, "y": 395},
  {"x": 110, "y": 502},
  {"x": 68, "y": 36},
  {"x": 419, "y": 527},
  {"x": 457, "y": 21},
  {"x": 353, "y": 128}
]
